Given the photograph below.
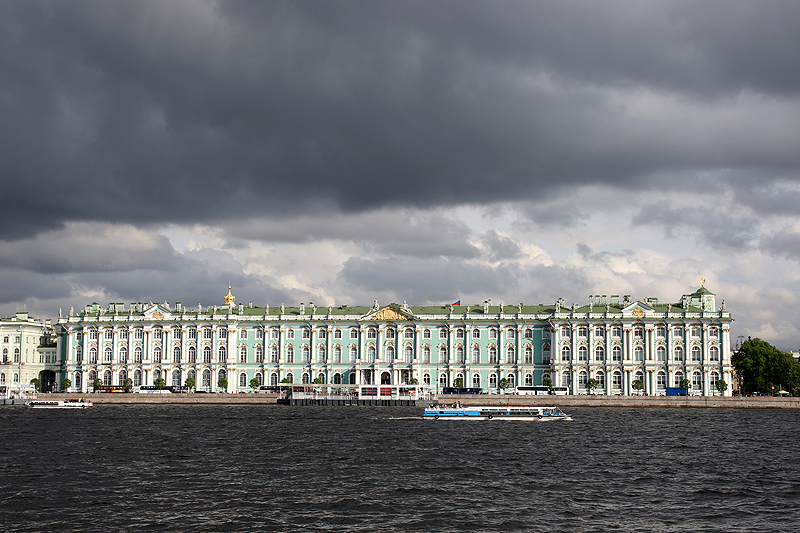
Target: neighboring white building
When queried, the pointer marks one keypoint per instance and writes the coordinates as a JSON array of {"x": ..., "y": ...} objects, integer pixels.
[
  {"x": 615, "y": 341},
  {"x": 27, "y": 351}
]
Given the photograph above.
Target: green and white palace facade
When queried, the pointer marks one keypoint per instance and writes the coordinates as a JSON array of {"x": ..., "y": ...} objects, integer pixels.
[{"x": 613, "y": 340}]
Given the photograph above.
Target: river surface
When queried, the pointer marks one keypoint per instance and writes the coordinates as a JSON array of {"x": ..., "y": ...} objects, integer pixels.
[{"x": 340, "y": 469}]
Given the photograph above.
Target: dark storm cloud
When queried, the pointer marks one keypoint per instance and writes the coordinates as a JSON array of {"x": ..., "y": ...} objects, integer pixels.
[
  {"x": 713, "y": 226},
  {"x": 198, "y": 112},
  {"x": 784, "y": 243}
]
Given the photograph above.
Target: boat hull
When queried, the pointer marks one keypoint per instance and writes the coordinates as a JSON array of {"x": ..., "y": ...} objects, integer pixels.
[
  {"x": 58, "y": 404},
  {"x": 520, "y": 414}
]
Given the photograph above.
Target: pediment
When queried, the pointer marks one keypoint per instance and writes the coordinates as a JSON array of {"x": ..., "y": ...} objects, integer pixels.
[
  {"x": 157, "y": 312},
  {"x": 389, "y": 314},
  {"x": 637, "y": 310}
]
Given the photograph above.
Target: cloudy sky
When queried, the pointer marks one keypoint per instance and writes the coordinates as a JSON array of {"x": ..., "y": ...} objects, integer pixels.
[{"x": 343, "y": 152}]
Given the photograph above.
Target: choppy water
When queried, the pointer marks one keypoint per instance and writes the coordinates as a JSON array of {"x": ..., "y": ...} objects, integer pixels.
[{"x": 280, "y": 468}]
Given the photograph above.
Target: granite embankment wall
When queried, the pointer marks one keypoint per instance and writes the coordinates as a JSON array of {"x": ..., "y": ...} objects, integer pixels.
[{"x": 762, "y": 402}]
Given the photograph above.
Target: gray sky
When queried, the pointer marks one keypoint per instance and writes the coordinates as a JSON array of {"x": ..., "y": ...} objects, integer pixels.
[{"x": 342, "y": 152}]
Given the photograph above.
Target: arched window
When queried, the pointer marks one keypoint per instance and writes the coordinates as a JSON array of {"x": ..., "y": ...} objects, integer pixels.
[
  {"x": 243, "y": 354},
  {"x": 583, "y": 353},
  {"x": 242, "y": 380},
  {"x": 492, "y": 380},
  {"x": 714, "y": 379},
  {"x": 408, "y": 353},
  {"x": 322, "y": 353},
  {"x": 426, "y": 354},
  {"x": 696, "y": 354},
  {"x": 678, "y": 378},
  {"x": 583, "y": 379},
  {"x": 713, "y": 353},
  {"x": 273, "y": 379},
  {"x": 207, "y": 355},
  {"x": 137, "y": 355},
  {"x": 616, "y": 380},
  {"x": 697, "y": 381},
  {"x": 107, "y": 355},
  {"x": 616, "y": 353},
  {"x": 192, "y": 355},
  {"x": 371, "y": 354},
  {"x": 107, "y": 378},
  {"x": 599, "y": 353},
  {"x": 353, "y": 353},
  {"x": 528, "y": 355},
  {"x": 661, "y": 380},
  {"x": 528, "y": 380},
  {"x": 546, "y": 354},
  {"x": 337, "y": 354},
  {"x": 176, "y": 378},
  {"x": 661, "y": 353},
  {"x": 511, "y": 354},
  {"x": 123, "y": 375},
  {"x": 290, "y": 354},
  {"x": 137, "y": 378},
  {"x": 123, "y": 355},
  {"x": 337, "y": 379},
  {"x": 307, "y": 355},
  {"x": 207, "y": 378},
  {"x": 443, "y": 354},
  {"x": 222, "y": 354},
  {"x": 176, "y": 355},
  {"x": 476, "y": 380},
  {"x": 678, "y": 352},
  {"x": 476, "y": 353},
  {"x": 512, "y": 381},
  {"x": 566, "y": 378},
  {"x": 409, "y": 333},
  {"x": 638, "y": 353},
  {"x": 492, "y": 355},
  {"x": 566, "y": 353},
  {"x": 259, "y": 354},
  {"x": 273, "y": 354},
  {"x": 157, "y": 354},
  {"x": 92, "y": 355},
  {"x": 601, "y": 381},
  {"x": 305, "y": 379}
]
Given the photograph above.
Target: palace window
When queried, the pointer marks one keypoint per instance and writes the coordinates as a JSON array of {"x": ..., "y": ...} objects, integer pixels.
[
  {"x": 273, "y": 354},
  {"x": 601, "y": 380},
  {"x": 546, "y": 333},
  {"x": 583, "y": 331},
  {"x": 157, "y": 334},
  {"x": 697, "y": 381},
  {"x": 442, "y": 333},
  {"x": 616, "y": 353},
  {"x": 492, "y": 380},
  {"x": 92, "y": 355},
  {"x": 259, "y": 335},
  {"x": 123, "y": 334},
  {"x": 222, "y": 354},
  {"x": 307, "y": 355},
  {"x": 678, "y": 353},
  {"x": 408, "y": 354},
  {"x": 223, "y": 333},
  {"x": 696, "y": 331},
  {"x": 243, "y": 354},
  {"x": 511, "y": 333},
  {"x": 192, "y": 334},
  {"x": 661, "y": 353},
  {"x": 123, "y": 355},
  {"x": 390, "y": 353},
  {"x": 137, "y": 355},
  {"x": 492, "y": 355},
  {"x": 243, "y": 334},
  {"x": 207, "y": 354},
  {"x": 176, "y": 355},
  {"x": 661, "y": 380},
  {"x": 290, "y": 354},
  {"x": 290, "y": 333},
  {"x": 511, "y": 354},
  {"x": 678, "y": 378},
  {"x": 389, "y": 333},
  {"x": 337, "y": 354},
  {"x": 337, "y": 334},
  {"x": 528, "y": 333},
  {"x": 638, "y": 353},
  {"x": 638, "y": 332},
  {"x": 476, "y": 333},
  {"x": 565, "y": 331},
  {"x": 492, "y": 333},
  {"x": 528, "y": 355},
  {"x": 599, "y": 353},
  {"x": 275, "y": 334},
  {"x": 192, "y": 355},
  {"x": 426, "y": 333},
  {"x": 108, "y": 334},
  {"x": 696, "y": 354},
  {"x": 107, "y": 355},
  {"x": 546, "y": 354},
  {"x": 476, "y": 380},
  {"x": 713, "y": 353},
  {"x": 678, "y": 331},
  {"x": 92, "y": 335},
  {"x": 306, "y": 333},
  {"x": 157, "y": 354},
  {"x": 583, "y": 353},
  {"x": 616, "y": 331},
  {"x": 353, "y": 333},
  {"x": 713, "y": 332},
  {"x": 599, "y": 331},
  {"x": 206, "y": 333},
  {"x": 566, "y": 353},
  {"x": 353, "y": 353},
  {"x": 528, "y": 380},
  {"x": 372, "y": 333},
  {"x": 322, "y": 333},
  {"x": 409, "y": 333},
  {"x": 616, "y": 380},
  {"x": 459, "y": 333},
  {"x": 259, "y": 354}
]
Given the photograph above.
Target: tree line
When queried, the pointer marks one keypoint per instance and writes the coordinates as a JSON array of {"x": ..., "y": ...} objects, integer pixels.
[{"x": 761, "y": 368}]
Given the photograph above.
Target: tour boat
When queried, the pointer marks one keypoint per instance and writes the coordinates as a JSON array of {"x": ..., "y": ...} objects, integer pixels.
[
  {"x": 68, "y": 403},
  {"x": 524, "y": 413}
]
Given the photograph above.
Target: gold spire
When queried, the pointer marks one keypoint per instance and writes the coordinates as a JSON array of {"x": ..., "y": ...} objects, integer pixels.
[
  {"x": 703, "y": 282},
  {"x": 230, "y": 299}
]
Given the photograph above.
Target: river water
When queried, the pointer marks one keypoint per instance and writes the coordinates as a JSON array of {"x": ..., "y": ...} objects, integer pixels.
[{"x": 340, "y": 469}]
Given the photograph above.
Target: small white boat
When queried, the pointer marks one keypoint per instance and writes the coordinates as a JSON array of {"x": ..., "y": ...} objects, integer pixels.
[
  {"x": 522, "y": 413},
  {"x": 68, "y": 403}
]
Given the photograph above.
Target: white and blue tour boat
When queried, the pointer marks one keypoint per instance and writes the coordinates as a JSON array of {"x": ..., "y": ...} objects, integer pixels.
[
  {"x": 494, "y": 412},
  {"x": 68, "y": 403}
]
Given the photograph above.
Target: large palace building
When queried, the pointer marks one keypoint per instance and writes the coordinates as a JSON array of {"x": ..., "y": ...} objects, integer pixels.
[{"x": 613, "y": 340}]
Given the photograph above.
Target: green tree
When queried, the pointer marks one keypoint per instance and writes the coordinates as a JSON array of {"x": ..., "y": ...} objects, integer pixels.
[
  {"x": 413, "y": 381},
  {"x": 66, "y": 384},
  {"x": 762, "y": 368},
  {"x": 190, "y": 383},
  {"x": 160, "y": 383},
  {"x": 254, "y": 384},
  {"x": 503, "y": 384},
  {"x": 722, "y": 386},
  {"x": 547, "y": 382},
  {"x": 637, "y": 385},
  {"x": 96, "y": 383},
  {"x": 685, "y": 384},
  {"x": 127, "y": 384},
  {"x": 592, "y": 384},
  {"x": 458, "y": 383},
  {"x": 37, "y": 385},
  {"x": 223, "y": 384}
]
